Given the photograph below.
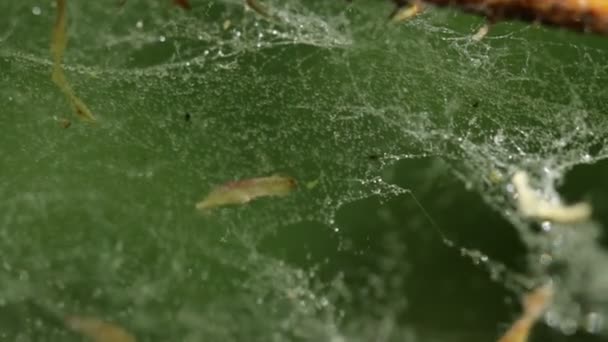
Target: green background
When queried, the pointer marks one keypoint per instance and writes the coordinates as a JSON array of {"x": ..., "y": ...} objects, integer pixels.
[{"x": 402, "y": 139}]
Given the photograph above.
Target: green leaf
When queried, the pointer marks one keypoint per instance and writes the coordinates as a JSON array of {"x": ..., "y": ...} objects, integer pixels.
[{"x": 402, "y": 138}]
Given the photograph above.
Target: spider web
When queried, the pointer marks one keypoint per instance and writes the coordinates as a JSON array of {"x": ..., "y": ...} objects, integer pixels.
[{"x": 403, "y": 139}]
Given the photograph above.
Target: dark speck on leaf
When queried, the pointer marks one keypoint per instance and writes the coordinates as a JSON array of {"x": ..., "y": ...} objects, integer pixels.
[
  {"x": 373, "y": 156},
  {"x": 475, "y": 104},
  {"x": 187, "y": 117},
  {"x": 65, "y": 123}
]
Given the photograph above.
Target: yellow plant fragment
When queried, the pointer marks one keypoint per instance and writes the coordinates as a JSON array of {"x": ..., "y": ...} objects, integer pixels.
[
  {"x": 535, "y": 304},
  {"x": 531, "y": 205},
  {"x": 58, "y": 44},
  {"x": 98, "y": 330},
  {"x": 243, "y": 191}
]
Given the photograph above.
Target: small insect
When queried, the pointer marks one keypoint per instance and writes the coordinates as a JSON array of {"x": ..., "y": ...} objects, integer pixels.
[
  {"x": 578, "y": 15},
  {"x": 534, "y": 305},
  {"x": 59, "y": 43},
  {"x": 98, "y": 330},
  {"x": 531, "y": 205},
  {"x": 243, "y": 191}
]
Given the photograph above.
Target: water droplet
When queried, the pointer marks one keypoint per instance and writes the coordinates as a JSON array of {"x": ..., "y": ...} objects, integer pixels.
[
  {"x": 546, "y": 226},
  {"x": 499, "y": 138},
  {"x": 139, "y": 24},
  {"x": 162, "y": 39},
  {"x": 586, "y": 157},
  {"x": 36, "y": 10},
  {"x": 594, "y": 322},
  {"x": 568, "y": 326},
  {"x": 552, "y": 318},
  {"x": 324, "y": 301},
  {"x": 23, "y": 275},
  {"x": 546, "y": 259},
  {"x": 97, "y": 293},
  {"x": 558, "y": 241}
]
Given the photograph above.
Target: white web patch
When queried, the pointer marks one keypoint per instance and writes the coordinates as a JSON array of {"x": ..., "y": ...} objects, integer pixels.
[{"x": 101, "y": 221}]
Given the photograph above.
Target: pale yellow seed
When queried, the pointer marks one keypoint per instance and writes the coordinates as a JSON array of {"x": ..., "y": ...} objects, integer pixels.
[{"x": 226, "y": 24}]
